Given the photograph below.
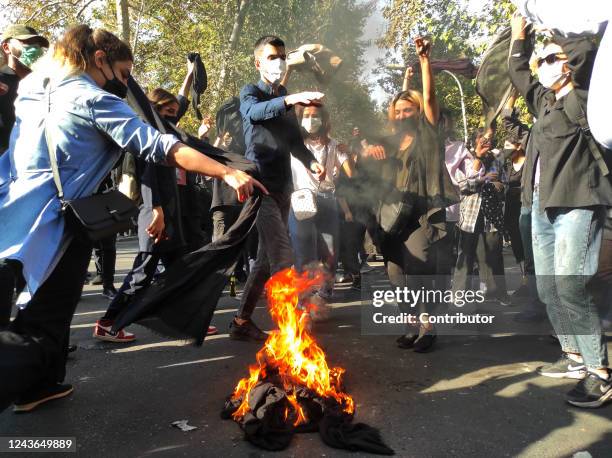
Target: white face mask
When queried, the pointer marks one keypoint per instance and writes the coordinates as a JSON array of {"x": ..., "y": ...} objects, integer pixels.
[
  {"x": 551, "y": 74},
  {"x": 273, "y": 70},
  {"x": 312, "y": 125}
]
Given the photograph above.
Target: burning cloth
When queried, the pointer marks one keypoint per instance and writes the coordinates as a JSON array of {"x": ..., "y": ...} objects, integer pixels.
[{"x": 291, "y": 389}]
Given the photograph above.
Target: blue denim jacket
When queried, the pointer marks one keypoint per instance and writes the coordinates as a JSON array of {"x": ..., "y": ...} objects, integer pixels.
[{"x": 88, "y": 127}]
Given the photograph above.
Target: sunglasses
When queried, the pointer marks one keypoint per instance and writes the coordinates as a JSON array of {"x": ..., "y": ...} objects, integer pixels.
[{"x": 551, "y": 59}]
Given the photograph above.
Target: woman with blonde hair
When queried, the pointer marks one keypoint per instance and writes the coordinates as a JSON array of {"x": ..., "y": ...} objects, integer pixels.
[
  {"x": 413, "y": 189},
  {"x": 76, "y": 113}
]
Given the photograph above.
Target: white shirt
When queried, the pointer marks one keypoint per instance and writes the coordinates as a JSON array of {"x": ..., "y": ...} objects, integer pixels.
[{"x": 303, "y": 178}]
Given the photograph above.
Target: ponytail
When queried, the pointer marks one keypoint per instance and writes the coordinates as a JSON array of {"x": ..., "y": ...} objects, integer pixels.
[{"x": 75, "y": 50}]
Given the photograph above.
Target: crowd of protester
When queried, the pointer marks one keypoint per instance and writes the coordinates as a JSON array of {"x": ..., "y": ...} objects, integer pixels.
[{"x": 439, "y": 211}]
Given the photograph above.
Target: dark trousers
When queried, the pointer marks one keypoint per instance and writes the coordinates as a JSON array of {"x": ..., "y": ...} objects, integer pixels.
[
  {"x": 11, "y": 279},
  {"x": 411, "y": 261},
  {"x": 512, "y": 222},
  {"x": 447, "y": 256},
  {"x": 486, "y": 248},
  {"x": 33, "y": 350},
  {"x": 222, "y": 219},
  {"x": 105, "y": 255},
  {"x": 534, "y": 303},
  {"x": 141, "y": 276},
  {"x": 274, "y": 250},
  {"x": 351, "y": 244}
]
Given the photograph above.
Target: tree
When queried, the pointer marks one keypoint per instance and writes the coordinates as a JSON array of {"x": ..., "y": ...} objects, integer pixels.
[
  {"x": 456, "y": 32},
  {"x": 162, "y": 33}
]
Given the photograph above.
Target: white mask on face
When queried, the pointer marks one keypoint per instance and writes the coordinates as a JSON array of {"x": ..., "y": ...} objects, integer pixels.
[
  {"x": 551, "y": 74},
  {"x": 312, "y": 125},
  {"x": 273, "y": 70}
]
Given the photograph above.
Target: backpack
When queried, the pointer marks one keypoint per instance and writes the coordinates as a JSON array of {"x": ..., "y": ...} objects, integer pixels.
[{"x": 576, "y": 114}]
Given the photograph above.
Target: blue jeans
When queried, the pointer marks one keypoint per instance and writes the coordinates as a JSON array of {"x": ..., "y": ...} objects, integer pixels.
[
  {"x": 566, "y": 244},
  {"x": 316, "y": 239}
]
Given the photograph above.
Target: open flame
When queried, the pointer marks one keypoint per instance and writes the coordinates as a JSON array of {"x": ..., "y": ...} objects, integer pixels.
[{"x": 291, "y": 353}]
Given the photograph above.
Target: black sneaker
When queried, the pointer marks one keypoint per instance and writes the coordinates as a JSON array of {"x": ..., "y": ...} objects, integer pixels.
[
  {"x": 565, "y": 367},
  {"x": 407, "y": 341},
  {"x": 109, "y": 292},
  {"x": 246, "y": 331},
  {"x": 31, "y": 400},
  {"x": 592, "y": 391}
]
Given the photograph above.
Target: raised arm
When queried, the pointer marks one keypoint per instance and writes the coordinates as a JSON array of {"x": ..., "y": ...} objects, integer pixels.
[
  {"x": 431, "y": 109},
  {"x": 407, "y": 79},
  {"x": 518, "y": 67},
  {"x": 188, "y": 80}
]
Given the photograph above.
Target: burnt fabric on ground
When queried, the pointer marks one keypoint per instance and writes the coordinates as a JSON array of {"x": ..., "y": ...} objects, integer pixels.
[
  {"x": 269, "y": 423},
  {"x": 182, "y": 303}
]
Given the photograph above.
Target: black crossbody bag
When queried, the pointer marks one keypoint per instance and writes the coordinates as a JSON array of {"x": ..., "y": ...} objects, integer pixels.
[{"x": 96, "y": 217}]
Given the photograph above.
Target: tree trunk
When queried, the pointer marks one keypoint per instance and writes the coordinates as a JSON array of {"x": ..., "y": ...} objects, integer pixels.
[
  {"x": 123, "y": 20},
  {"x": 232, "y": 44}
]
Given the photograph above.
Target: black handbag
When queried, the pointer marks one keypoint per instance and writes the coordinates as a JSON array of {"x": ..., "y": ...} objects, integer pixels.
[{"x": 96, "y": 217}]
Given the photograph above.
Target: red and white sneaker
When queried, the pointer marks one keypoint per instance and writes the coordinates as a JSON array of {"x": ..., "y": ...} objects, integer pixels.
[
  {"x": 212, "y": 330},
  {"x": 102, "y": 331}
]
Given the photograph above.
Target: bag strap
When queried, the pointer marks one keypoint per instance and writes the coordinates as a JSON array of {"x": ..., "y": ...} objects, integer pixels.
[
  {"x": 50, "y": 147},
  {"x": 324, "y": 163},
  {"x": 579, "y": 117}
]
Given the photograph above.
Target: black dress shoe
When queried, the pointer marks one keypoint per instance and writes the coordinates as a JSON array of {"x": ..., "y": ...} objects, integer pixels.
[{"x": 72, "y": 348}]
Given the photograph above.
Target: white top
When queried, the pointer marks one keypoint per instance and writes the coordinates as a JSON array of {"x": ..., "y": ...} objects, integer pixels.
[{"x": 303, "y": 178}]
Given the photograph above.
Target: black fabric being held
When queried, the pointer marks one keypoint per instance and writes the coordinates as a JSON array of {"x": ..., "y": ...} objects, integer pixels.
[
  {"x": 200, "y": 81},
  {"x": 182, "y": 302}
]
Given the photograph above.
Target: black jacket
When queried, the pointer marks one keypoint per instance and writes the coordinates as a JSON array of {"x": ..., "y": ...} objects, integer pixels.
[{"x": 569, "y": 174}]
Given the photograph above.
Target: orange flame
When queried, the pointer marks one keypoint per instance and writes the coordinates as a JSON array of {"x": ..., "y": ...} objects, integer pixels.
[{"x": 291, "y": 351}]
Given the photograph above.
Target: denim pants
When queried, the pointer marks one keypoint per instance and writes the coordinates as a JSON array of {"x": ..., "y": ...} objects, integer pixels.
[
  {"x": 274, "y": 250},
  {"x": 316, "y": 239},
  {"x": 566, "y": 244}
]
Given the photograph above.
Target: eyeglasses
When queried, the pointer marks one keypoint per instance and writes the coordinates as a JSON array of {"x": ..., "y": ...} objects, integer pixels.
[{"x": 551, "y": 59}]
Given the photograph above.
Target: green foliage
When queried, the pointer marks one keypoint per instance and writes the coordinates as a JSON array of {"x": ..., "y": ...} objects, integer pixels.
[
  {"x": 162, "y": 33},
  {"x": 456, "y": 32}
]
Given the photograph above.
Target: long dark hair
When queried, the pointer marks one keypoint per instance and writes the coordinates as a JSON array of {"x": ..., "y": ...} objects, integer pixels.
[{"x": 325, "y": 119}]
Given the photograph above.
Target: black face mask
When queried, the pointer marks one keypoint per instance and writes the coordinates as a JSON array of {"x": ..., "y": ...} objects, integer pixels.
[
  {"x": 173, "y": 119},
  {"x": 114, "y": 86},
  {"x": 406, "y": 124}
]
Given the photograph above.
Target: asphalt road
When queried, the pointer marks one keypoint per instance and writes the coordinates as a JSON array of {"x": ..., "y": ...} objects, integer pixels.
[{"x": 473, "y": 396}]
